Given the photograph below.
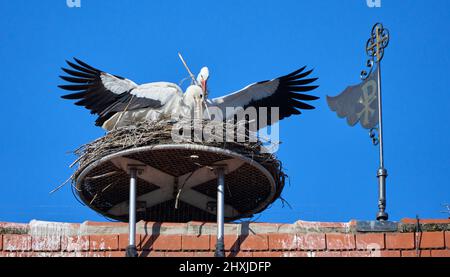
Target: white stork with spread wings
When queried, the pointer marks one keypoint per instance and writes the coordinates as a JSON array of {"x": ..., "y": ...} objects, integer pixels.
[{"x": 120, "y": 102}]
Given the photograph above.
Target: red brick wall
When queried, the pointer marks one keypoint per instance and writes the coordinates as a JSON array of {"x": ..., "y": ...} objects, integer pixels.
[{"x": 197, "y": 239}]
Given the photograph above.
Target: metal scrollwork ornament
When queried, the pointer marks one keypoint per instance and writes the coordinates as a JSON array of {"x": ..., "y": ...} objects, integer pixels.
[
  {"x": 364, "y": 73},
  {"x": 373, "y": 133}
]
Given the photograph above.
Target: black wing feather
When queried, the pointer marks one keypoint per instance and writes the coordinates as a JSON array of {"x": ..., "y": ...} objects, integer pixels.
[
  {"x": 74, "y": 87},
  {"x": 287, "y": 96},
  {"x": 301, "y": 96},
  {"x": 86, "y": 65},
  {"x": 78, "y": 74},
  {"x": 86, "y": 83},
  {"x": 294, "y": 73},
  {"x": 82, "y": 69},
  {"x": 302, "y": 82},
  {"x": 76, "y": 80}
]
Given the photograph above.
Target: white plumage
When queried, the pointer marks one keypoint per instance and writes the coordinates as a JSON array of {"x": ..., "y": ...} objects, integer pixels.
[{"x": 120, "y": 102}]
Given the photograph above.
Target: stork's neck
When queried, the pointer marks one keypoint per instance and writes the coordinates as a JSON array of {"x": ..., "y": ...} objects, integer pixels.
[
  {"x": 190, "y": 96},
  {"x": 192, "y": 99}
]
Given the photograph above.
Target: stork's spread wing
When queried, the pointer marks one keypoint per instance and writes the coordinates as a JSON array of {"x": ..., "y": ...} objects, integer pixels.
[
  {"x": 283, "y": 92},
  {"x": 102, "y": 93}
]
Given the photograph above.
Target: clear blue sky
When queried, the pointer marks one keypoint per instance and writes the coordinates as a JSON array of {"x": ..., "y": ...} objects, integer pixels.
[{"x": 331, "y": 166}]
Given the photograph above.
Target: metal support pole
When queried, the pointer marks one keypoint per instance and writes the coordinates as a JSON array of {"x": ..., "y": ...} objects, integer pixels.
[
  {"x": 375, "y": 46},
  {"x": 131, "y": 250},
  {"x": 220, "y": 246},
  {"x": 382, "y": 172}
]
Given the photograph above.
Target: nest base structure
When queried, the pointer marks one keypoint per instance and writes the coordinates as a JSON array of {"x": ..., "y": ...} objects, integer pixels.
[{"x": 178, "y": 183}]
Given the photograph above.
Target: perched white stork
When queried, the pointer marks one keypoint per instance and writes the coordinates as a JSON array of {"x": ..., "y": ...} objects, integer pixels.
[{"x": 120, "y": 102}]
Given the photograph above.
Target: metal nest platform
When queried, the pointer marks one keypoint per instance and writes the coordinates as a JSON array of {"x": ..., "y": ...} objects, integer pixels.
[{"x": 178, "y": 183}]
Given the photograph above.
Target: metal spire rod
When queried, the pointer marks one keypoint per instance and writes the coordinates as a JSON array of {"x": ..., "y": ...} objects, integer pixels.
[
  {"x": 220, "y": 245},
  {"x": 382, "y": 172},
  {"x": 375, "y": 46}
]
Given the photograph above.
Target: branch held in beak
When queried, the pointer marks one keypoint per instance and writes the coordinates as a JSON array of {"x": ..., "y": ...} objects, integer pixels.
[{"x": 187, "y": 68}]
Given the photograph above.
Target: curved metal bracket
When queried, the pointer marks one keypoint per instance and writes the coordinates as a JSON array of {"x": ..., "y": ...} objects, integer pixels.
[
  {"x": 374, "y": 135},
  {"x": 364, "y": 73}
]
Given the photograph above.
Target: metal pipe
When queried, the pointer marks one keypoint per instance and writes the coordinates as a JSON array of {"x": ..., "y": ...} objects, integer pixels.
[
  {"x": 220, "y": 171},
  {"x": 382, "y": 172},
  {"x": 380, "y": 117},
  {"x": 131, "y": 249}
]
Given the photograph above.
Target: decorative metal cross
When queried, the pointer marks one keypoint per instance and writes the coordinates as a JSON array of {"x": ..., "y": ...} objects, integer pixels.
[{"x": 377, "y": 42}]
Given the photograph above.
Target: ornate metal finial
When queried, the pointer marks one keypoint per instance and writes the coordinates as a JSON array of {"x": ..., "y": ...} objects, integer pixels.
[{"x": 378, "y": 40}]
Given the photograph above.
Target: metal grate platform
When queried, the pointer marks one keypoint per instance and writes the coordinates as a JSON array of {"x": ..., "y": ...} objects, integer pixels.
[{"x": 177, "y": 183}]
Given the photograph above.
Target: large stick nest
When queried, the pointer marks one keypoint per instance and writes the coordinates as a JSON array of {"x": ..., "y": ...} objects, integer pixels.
[{"x": 150, "y": 133}]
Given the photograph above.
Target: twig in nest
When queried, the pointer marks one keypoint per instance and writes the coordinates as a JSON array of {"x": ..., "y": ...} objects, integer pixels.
[
  {"x": 177, "y": 198},
  {"x": 103, "y": 175},
  {"x": 93, "y": 199},
  {"x": 60, "y": 186}
]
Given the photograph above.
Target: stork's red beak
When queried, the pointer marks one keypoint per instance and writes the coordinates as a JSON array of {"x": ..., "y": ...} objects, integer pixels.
[{"x": 204, "y": 85}]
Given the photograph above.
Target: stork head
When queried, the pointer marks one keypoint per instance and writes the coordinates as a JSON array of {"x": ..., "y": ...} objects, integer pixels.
[{"x": 202, "y": 78}]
